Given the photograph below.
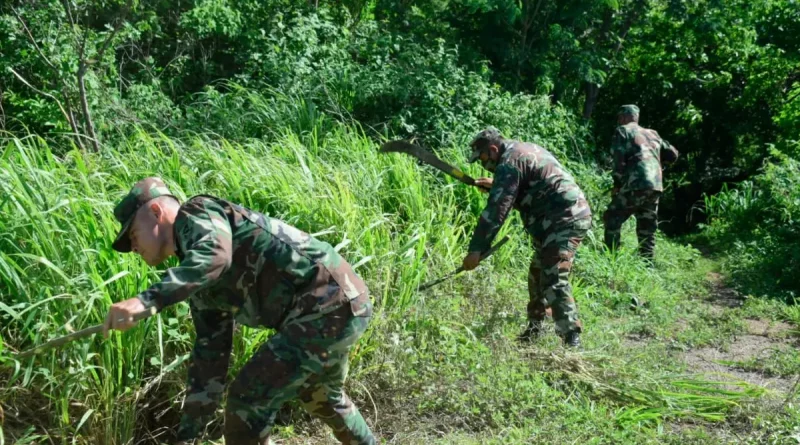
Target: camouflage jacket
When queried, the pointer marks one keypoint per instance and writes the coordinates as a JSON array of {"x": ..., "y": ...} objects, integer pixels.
[
  {"x": 638, "y": 153},
  {"x": 530, "y": 179},
  {"x": 237, "y": 265}
]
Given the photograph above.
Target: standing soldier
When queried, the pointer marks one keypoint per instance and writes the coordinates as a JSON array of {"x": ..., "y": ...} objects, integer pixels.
[
  {"x": 638, "y": 153},
  {"x": 239, "y": 266},
  {"x": 555, "y": 213}
]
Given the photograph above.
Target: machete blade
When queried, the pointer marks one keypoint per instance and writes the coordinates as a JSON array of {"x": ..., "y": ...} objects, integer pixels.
[{"x": 426, "y": 157}]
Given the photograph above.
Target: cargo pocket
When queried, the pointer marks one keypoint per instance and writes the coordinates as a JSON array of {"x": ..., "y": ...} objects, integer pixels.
[
  {"x": 354, "y": 289},
  {"x": 361, "y": 305}
]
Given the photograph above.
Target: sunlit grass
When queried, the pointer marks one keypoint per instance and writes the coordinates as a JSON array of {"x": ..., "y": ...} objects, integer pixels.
[{"x": 444, "y": 353}]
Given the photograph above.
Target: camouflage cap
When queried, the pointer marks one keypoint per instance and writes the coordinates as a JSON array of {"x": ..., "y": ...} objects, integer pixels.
[
  {"x": 141, "y": 193},
  {"x": 628, "y": 110},
  {"x": 489, "y": 133}
]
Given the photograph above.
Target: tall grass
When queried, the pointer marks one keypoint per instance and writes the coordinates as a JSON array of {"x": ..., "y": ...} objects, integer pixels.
[
  {"x": 58, "y": 273},
  {"x": 398, "y": 224}
]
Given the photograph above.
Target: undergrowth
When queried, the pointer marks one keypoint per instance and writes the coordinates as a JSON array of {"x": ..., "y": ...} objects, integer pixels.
[{"x": 440, "y": 363}]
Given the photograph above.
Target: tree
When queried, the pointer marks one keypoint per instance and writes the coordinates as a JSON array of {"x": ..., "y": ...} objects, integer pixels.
[{"x": 67, "y": 53}]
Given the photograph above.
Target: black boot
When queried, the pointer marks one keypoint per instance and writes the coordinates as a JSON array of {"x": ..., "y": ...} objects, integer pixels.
[
  {"x": 572, "y": 339},
  {"x": 532, "y": 332}
]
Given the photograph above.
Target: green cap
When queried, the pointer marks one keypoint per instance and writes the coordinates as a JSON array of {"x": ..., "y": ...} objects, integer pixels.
[
  {"x": 628, "y": 110},
  {"x": 141, "y": 193},
  {"x": 489, "y": 133}
]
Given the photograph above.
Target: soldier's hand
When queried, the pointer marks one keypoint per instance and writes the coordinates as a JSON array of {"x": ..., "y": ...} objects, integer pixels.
[
  {"x": 120, "y": 315},
  {"x": 471, "y": 261},
  {"x": 484, "y": 184}
]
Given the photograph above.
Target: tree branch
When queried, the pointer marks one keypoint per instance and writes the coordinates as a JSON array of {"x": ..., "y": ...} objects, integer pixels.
[
  {"x": 73, "y": 26},
  {"x": 66, "y": 112},
  {"x": 117, "y": 27},
  {"x": 2, "y": 127},
  {"x": 87, "y": 114},
  {"x": 69, "y": 13},
  {"x": 43, "y": 93},
  {"x": 793, "y": 97},
  {"x": 33, "y": 41},
  {"x": 72, "y": 121}
]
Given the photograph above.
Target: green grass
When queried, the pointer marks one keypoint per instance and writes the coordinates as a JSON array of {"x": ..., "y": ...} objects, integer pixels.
[
  {"x": 435, "y": 367},
  {"x": 777, "y": 362}
]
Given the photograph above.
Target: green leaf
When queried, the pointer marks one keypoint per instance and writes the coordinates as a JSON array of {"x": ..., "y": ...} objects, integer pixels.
[{"x": 84, "y": 419}]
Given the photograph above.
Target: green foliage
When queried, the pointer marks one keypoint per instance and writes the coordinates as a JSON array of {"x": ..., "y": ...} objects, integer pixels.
[
  {"x": 279, "y": 105},
  {"x": 711, "y": 77},
  {"x": 716, "y": 79},
  {"x": 755, "y": 223},
  {"x": 212, "y": 18},
  {"x": 788, "y": 120},
  {"x": 447, "y": 354}
]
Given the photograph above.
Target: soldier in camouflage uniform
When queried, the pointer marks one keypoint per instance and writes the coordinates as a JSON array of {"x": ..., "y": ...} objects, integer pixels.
[
  {"x": 555, "y": 213},
  {"x": 638, "y": 155},
  {"x": 239, "y": 266}
]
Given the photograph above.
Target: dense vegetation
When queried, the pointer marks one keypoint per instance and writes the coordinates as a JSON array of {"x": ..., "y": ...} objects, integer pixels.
[
  {"x": 756, "y": 224},
  {"x": 280, "y": 105}
]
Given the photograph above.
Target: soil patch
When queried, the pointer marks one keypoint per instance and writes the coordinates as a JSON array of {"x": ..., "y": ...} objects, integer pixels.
[
  {"x": 773, "y": 330},
  {"x": 762, "y": 339},
  {"x": 712, "y": 361},
  {"x": 723, "y": 297}
]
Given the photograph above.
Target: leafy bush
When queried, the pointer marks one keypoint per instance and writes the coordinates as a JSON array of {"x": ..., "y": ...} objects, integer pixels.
[
  {"x": 388, "y": 83},
  {"x": 758, "y": 223}
]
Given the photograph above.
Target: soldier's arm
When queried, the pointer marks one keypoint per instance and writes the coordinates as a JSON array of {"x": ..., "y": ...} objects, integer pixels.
[
  {"x": 669, "y": 153},
  {"x": 618, "y": 146},
  {"x": 204, "y": 235},
  {"x": 501, "y": 200},
  {"x": 208, "y": 370}
]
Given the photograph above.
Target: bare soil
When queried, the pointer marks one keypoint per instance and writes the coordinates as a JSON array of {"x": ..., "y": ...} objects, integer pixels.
[{"x": 763, "y": 337}]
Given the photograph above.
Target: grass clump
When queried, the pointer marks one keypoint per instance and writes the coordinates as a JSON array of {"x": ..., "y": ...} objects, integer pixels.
[{"x": 439, "y": 366}]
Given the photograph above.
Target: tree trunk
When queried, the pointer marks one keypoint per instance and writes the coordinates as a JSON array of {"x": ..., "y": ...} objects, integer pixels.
[
  {"x": 2, "y": 127},
  {"x": 87, "y": 115},
  {"x": 72, "y": 122},
  {"x": 592, "y": 93}
]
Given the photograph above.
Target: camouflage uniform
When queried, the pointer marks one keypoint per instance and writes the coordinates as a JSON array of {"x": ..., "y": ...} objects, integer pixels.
[
  {"x": 555, "y": 213},
  {"x": 239, "y": 266},
  {"x": 638, "y": 154}
]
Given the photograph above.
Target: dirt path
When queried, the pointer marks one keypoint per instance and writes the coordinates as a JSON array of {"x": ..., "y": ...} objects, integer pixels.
[{"x": 762, "y": 339}]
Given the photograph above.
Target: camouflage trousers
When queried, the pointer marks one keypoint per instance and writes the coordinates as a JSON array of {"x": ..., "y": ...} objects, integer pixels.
[
  {"x": 306, "y": 360},
  {"x": 548, "y": 277},
  {"x": 644, "y": 205}
]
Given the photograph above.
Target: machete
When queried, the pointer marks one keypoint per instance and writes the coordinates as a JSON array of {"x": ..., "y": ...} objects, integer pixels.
[
  {"x": 484, "y": 255},
  {"x": 430, "y": 159},
  {"x": 76, "y": 335}
]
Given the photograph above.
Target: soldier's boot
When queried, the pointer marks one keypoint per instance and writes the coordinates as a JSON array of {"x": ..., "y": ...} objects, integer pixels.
[
  {"x": 572, "y": 339},
  {"x": 532, "y": 332}
]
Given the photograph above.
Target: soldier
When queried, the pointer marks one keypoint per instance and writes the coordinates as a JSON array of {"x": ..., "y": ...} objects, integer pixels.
[
  {"x": 638, "y": 153},
  {"x": 555, "y": 213},
  {"x": 239, "y": 266}
]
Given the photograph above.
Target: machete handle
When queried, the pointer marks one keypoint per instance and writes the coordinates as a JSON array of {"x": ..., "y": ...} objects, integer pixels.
[
  {"x": 460, "y": 269},
  {"x": 488, "y": 253},
  {"x": 79, "y": 334},
  {"x": 480, "y": 186},
  {"x": 466, "y": 179},
  {"x": 494, "y": 248}
]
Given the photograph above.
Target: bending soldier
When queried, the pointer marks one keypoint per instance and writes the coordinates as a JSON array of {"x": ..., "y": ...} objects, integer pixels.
[
  {"x": 555, "y": 213},
  {"x": 239, "y": 266}
]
